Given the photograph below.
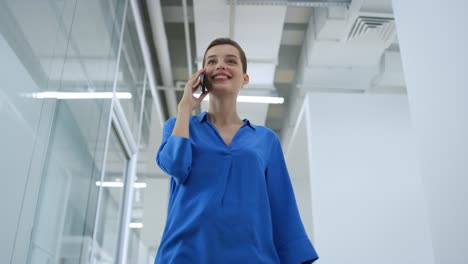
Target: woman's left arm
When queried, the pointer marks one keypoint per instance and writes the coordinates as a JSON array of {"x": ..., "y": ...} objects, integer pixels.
[{"x": 290, "y": 238}]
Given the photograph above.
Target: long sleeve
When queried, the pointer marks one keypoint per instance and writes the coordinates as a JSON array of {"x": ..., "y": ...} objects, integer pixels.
[
  {"x": 290, "y": 239},
  {"x": 175, "y": 154}
]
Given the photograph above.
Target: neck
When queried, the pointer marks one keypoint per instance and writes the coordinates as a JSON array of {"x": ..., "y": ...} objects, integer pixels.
[{"x": 223, "y": 111}]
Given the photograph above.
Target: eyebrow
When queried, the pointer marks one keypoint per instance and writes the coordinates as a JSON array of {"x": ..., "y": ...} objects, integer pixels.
[{"x": 229, "y": 55}]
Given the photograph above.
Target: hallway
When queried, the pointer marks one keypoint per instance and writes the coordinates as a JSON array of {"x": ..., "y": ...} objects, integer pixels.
[{"x": 368, "y": 98}]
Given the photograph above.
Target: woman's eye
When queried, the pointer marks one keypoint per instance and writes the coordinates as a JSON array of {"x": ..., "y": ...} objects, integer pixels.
[
  {"x": 210, "y": 62},
  {"x": 232, "y": 61}
]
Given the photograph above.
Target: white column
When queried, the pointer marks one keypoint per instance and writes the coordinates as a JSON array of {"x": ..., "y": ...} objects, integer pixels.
[
  {"x": 366, "y": 192},
  {"x": 433, "y": 43}
]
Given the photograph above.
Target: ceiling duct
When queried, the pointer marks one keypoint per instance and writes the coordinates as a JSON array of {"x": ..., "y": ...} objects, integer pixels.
[
  {"x": 298, "y": 3},
  {"x": 343, "y": 48},
  {"x": 383, "y": 27}
]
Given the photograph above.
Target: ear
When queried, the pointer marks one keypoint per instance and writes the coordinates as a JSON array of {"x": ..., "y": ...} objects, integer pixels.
[{"x": 246, "y": 79}]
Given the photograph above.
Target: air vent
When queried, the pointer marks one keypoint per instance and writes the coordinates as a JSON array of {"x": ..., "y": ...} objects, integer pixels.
[
  {"x": 303, "y": 3},
  {"x": 384, "y": 27}
]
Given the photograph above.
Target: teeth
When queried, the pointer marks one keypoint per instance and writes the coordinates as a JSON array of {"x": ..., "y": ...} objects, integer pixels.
[{"x": 220, "y": 77}]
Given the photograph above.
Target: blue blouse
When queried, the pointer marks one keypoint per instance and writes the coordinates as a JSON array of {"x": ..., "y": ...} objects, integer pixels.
[{"x": 229, "y": 204}]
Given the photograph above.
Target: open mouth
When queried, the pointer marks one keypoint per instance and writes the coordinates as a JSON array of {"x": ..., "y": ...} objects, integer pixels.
[{"x": 220, "y": 77}]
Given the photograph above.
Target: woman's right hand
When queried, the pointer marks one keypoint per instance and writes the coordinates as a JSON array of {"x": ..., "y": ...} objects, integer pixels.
[{"x": 189, "y": 101}]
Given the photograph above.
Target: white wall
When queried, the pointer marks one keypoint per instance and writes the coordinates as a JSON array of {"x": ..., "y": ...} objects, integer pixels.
[
  {"x": 297, "y": 160},
  {"x": 155, "y": 202},
  {"x": 367, "y": 200},
  {"x": 433, "y": 41}
]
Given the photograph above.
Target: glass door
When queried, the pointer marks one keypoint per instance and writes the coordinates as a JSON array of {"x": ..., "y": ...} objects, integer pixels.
[{"x": 106, "y": 244}]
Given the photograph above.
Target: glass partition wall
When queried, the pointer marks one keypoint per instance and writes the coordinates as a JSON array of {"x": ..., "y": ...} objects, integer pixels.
[{"x": 72, "y": 109}]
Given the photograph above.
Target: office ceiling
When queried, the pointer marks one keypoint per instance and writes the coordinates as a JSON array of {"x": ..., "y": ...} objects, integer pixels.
[{"x": 292, "y": 47}]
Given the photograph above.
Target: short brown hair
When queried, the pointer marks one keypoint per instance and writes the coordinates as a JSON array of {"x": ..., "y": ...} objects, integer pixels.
[{"x": 228, "y": 41}]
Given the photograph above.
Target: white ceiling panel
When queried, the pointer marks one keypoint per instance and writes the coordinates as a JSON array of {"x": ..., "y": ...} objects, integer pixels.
[
  {"x": 330, "y": 23},
  {"x": 356, "y": 52},
  {"x": 353, "y": 78},
  {"x": 211, "y": 21},
  {"x": 258, "y": 30}
]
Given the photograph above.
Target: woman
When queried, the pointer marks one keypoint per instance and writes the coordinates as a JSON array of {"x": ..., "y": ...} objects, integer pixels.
[{"x": 231, "y": 199}]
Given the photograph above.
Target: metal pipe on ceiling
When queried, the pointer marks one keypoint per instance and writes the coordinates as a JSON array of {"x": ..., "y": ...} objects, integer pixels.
[
  {"x": 162, "y": 50},
  {"x": 146, "y": 56},
  {"x": 232, "y": 18},
  {"x": 187, "y": 39},
  {"x": 298, "y": 3}
]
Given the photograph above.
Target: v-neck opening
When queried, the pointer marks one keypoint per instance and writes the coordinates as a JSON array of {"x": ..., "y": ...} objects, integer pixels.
[{"x": 228, "y": 146}]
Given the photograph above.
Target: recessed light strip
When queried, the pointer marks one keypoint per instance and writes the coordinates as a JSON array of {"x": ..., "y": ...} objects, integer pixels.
[
  {"x": 260, "y": 99},
  {"x": 80, "y": 95},
  {"x": 135, "y": 225},
  {"x": 120, "y": 184},
  {"x": 254, "y": 99}
]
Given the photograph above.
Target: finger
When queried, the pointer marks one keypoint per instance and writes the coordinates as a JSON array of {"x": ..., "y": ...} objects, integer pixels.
[
  {"x": 197, "y": 84},
  {"x": 202, "y": 96},
  {"x": 194, "y": 81},
  {"x": 197, "y": 74}
]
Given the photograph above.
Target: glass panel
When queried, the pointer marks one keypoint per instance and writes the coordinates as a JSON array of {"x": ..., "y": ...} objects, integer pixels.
[
  {"x": 65, "y": 215},
  {"x": 135, "y": 245},
  {"x": 56, "y": 145},
  {"x": 108, "y": 227},
  {"x": 137, "y": 251},
  {"x": 131, "y": 74},
  {"x": 29, "y": 52}
]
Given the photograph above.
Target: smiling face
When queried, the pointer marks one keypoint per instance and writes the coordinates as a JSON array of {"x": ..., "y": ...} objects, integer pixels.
[{"x": 224, "y": 70}]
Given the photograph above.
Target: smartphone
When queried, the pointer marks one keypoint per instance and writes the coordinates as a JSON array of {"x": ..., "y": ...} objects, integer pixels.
[{"x": 203, "y": 82}]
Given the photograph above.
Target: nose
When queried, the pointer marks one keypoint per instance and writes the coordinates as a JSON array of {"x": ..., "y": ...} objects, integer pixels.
[{"x": 220, "y": 65}]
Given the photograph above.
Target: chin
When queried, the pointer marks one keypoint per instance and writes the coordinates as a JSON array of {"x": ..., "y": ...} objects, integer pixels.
[{"x": 219, "y": 90}]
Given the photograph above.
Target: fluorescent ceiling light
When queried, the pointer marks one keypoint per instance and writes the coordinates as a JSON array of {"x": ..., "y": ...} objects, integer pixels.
[
  {"x": 135, "y": 225},
  {"x": 80, "y": 95},
  {"x": 260, "y": 99},
  {"x": 139, "y": 185},
  {"x": 255, "y": 99},
  {"x": 120, "y": 184}
]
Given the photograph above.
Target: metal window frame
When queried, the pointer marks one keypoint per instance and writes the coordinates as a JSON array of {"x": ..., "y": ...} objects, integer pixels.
[
  {"x": 129, "y": 187},
  {"x": 144, "y": 44},
  {"x": 125, "y": 135},
  {"x": 119, "y": 121},
  {"x": 116, "y": 120}
]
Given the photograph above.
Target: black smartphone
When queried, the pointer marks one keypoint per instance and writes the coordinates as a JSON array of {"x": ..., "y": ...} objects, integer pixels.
[{"x": 203, "y": 82}]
